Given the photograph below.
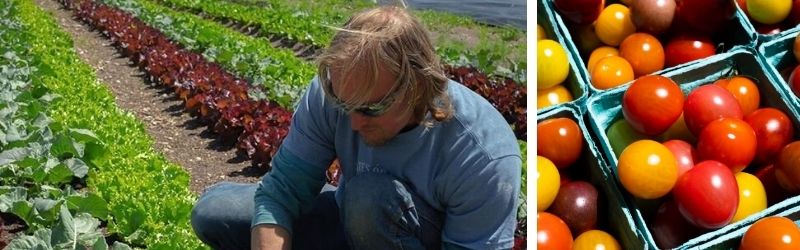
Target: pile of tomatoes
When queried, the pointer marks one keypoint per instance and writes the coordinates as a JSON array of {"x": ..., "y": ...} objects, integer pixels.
[
  {"x": 567, "y": 204},
  {"x": 771, "y": 16},
  {"x": 553, "y": 65}
]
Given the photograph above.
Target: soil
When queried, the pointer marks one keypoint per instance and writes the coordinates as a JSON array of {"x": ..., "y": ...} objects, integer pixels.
[{"x": 181, "y": 138}]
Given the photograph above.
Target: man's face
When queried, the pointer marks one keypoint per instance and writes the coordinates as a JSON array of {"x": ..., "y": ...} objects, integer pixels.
[{"x": 374, "y": 130}]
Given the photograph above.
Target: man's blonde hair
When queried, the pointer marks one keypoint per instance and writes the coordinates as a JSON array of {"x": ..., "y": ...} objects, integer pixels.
[{"x": 391, "y": 37}]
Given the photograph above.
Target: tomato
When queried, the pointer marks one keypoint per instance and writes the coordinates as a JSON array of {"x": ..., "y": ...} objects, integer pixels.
[
  {"x": 706, "y": 104},
  {"x": 684, "y": 153},
  {"x": 744, "y": 90},
  {"x": 773, "y": 131},
  {"x": 647, "y": 169},
  {"x": 596, "y": 239},
  {"x": 679, "y": 131},
  {"x": 614, "y": 24},
  {"x": 703, "y": 16},
  {"x": 794, "y": 81},
  {"x": 552, "y": 64},
  {"x": 560, "y": 140},
  {"x": 552, "y": 232},
  {"x": 547, "y": 183},
  {"x": 684, "y": 49},
  {"x": 611, "y": 71},
  {"x": 644, "y": 52},
  {"x": 556, "y": 95},
  {"x": 621, "y": 134},
  {"x": 787, "y": 169},
  {"x": 730, "y": 141},
  {"x": 775, "y": 193},
  {"x": 600, "y": 53},
  {"x": 586, "y": 38},
  {"x": 576, "y": 205},
  {"x": 769, "y": 11},
  {"x": 540, "y": 33},
  {"x": 669, "y": 228},
  {"x": 652, "y": 103},
  {"x": 752, "y": 197},
  {"x": 796, "y": 47},
  {"x": 707, "y": 195},
  {"x": 771, "y": 233}
]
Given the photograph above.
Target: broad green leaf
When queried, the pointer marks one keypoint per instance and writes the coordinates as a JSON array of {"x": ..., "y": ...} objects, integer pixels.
[
  {"x": 90, "y": 203},
  {"x": 83, "y": 135},
  {"x": 25, "y": 211},
  {"x": 64, "y": 232},
  {"x": 41, "y": 121},
  {"x": 77, "y": 166},
  {"x": 120, "y": 246},
  {"x": 10, "y": 195},
  {"x": 59, "y": 174},
  {"x": 63, "y": 147},
  {"x": 12, "y": 155},
  {"x": 40, "y": 240},
  {"x": 47, "y": 208}
]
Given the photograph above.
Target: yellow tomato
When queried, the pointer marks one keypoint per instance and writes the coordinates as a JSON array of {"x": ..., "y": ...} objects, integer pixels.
[
  {"x": 595, "y": 239},
  {"x": 600, "y": 53},
  {"x": 540, "y": 33},
  {"x": 548, "y": 182},
  {"x": 611, "y": 71},
  {"x": 768, "y": 11},
  {"x": 552, "y": 64},
  {"x": 552, "y": 96},
  {"x": 614, "y": 24},
  {"x": 752, "y": 196},
  {"x": 647, "y": 169}
]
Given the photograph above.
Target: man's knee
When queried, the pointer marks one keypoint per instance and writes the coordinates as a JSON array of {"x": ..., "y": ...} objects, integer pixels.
[{"x": 224, "y": 210}]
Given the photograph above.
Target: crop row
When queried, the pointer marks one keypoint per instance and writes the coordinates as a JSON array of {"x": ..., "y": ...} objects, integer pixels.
[{"x": 55, "y": 141}]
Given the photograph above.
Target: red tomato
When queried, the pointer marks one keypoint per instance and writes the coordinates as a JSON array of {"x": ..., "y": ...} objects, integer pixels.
[
  {"x": 706, "y": 104},
  {"x": 771, "y": 233},
  {"x": 775, "y": 193},
  {"x": 794, "y": 81},
  {"x": 707, "y": 195},
  {"x": 552, "y": 232},
  {"x": 773, "y": 131},
  {"x": 560, "y": 140},
  {"x": 703, "y": 16},
  {"x": 683, "y": 49},
  {"x": 787, "y": 169},
  {"x": 684, "y": 153},
  {"x": 644, "y": 52},
  {"x": 652, "y": 104},
  {"x": 744, "y": 90},
  {"x": 730, "y": 141}
]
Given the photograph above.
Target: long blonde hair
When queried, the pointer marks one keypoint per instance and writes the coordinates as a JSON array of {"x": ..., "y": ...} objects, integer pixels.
[{"x": 389, "y": 36}]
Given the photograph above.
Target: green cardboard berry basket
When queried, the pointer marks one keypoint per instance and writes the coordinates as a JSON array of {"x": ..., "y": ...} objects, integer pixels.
[
  {"x": 777, "y": 55},
  {"x": 606, "y": 108},
  {"x": 575, "y": 81},
  {"x": 614, "y": 216},
  {"x": 738, "y": 33}
]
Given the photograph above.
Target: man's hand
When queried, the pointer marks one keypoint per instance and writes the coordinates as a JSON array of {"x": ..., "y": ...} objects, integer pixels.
[{"x": 270, "y": 236}]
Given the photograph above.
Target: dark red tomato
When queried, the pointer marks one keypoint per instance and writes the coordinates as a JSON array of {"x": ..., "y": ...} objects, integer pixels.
[
  {"x": 730, "y": 141},
  {"x": 775, "y": 193},
  {"x": 683, "y": 49},
  {"x": 787, "y": 169},
  {"x": 576, "y": 205},
  {"x": 768, "y": 29},
  {"x": 552, "y": 232},
  {"x": 771, "y": 233},
  {"x": 580, "y": 11},
  {"x": 707, "y": 195},
  {"x": 773, "y": 131},
  {"x": 794, "y": 81},
  {"x": 560, "y": 140},
  {"x": 706, "y": 104},
  {"x": 703, "y": 16},
  {"x": 669, "y": 228},
  {"x": 684, "y": 153},
  {"x": 652, "y": 104}
]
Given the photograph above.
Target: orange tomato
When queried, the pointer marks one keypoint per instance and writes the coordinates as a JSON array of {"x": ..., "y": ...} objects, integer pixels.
[
  {"x": 552, "y": 232},
  {"x": 600, "y": 53},
  {"x": 771, "y": 233},
  {"x": 560, "y": 140},
  {"x": 744, "y": 90},
  {"x": 647, "y": 169},
  {"x": 595, "y": 239},
  {"x": 614, "y": 24},
  {"x": 644, "y": 52},
  {"x": 552, "y": 96},
  {"x": 611, "y": 71}
]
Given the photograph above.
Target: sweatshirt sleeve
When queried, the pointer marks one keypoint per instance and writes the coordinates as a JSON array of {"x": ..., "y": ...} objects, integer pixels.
[{"x": 298, "y": 169}]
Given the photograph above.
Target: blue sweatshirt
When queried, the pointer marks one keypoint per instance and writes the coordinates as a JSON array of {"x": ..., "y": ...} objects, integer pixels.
[{"x": 468, "y": 168}]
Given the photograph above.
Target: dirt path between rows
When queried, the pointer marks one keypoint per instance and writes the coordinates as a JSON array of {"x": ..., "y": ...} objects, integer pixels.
[{"x": 181, "y": 138}]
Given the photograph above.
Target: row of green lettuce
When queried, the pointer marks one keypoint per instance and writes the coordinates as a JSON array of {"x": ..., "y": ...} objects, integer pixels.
[
  {"x": 283, "y": 75},
  {"x": 309, "y": 22},
  {"x": 72, "y": 128}
]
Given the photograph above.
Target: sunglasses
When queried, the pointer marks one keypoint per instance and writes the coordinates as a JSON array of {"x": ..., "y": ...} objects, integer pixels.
[{"x": 370, "y": 110}]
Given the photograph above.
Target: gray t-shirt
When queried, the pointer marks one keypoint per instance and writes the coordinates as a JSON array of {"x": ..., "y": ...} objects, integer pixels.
[{"x": 468, "y": 168}]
